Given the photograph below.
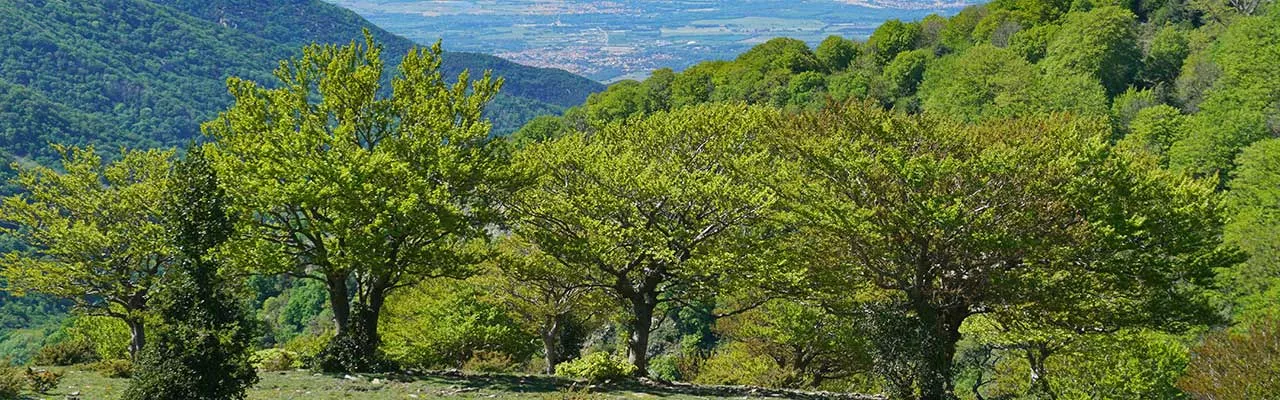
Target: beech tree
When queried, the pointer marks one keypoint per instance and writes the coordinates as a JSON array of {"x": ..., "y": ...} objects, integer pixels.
[
  {"x": 97, "y": 230},
  {"x": 1038, "y": 219},
  {"x": 339, "y": 183},
  {"x": 653, "y": 212}
]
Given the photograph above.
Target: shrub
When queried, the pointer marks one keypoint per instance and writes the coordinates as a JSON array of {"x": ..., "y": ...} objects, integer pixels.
[
  {"x": 11, "y": 381},
  {"x": 276, "y": 360},
  {"x": 69, "y": 352},
  {"x": 736, "y": 364},
  {"x": 489, "y": 361},
  {"x": 42, "y": 381},
  {"x": 596, "y": 367},
  {"x": 113, "y": 368}
]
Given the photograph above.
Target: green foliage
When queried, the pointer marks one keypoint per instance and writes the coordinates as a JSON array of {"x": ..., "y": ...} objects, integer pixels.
[
  {"x": 12, "y": 382},
  {"x": 1123, "y": 365},
  {"x": 596, "y": 367},
  {"x": 1253, "y": 199},
  {"x": 805, "y": 345},
  {"x": 392, "y": 197},
  {"x": 906, "y": 71},
  {"x": 1236, "y": 365},
  {"x": 42, "y": 381},
  {"x": 891, "y": 38},
  {"x": 1155, "y": 129},
  {"x": 271, "y": 360},
  {"x": 654, "y": 205},
  {"x": 1126, "y": 106},
  {"x": 109, "y": 336},
  {"x": 888, "y": 171},
  {"x": 100, "y": 230},
  {"x": 1033, "y": 43},
  {"x": 1164, "y": 56},
  {"x": 836, "y": 53},
  {"x": 980, "y": 83},
  {"x": 489, "y": 362},
  {"x": 444, "y": 324},
  {"x": 1102, "y": 43},
  {"x": 1243, "y": 105},
  {"x": 200, "y": 346},
  {"x": 67, "y": 352},
  {"x": 736, "y": 364}
]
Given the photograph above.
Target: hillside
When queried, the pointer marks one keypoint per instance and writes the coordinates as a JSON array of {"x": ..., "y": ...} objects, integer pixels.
[{"x": 147, "y": 73}]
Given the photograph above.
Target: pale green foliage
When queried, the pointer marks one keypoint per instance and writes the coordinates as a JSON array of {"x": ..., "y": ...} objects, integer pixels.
[
  {"x": 656, "y": 206},
  {"x": 1102, "y": 44},
  {"x": 1155, "y": 129},
  {"x": 335, "y": 182},
  {"x": 738, "y": 364},
  {"x": 596, "y": 367},
  {"x": 1254, "y": 200},
  {"x": 443, "y": 323},
  {"x": 100, "y": 229},
  {"x": 110, "y": 336},
  {"x": 986, "y": 83},
  {"x": 807, "y": 346}
]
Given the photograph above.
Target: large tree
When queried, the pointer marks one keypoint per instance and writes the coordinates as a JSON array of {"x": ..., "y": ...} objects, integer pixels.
[
  {"x": 339, "y": 181},
  {"x": 97, "y": 232},
  {"x": 1038, "y": 219},
  {"x": 652, "y": 211}
]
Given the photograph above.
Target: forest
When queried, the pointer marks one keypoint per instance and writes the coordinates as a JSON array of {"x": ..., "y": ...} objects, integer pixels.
[{"x": 1032, "y": 199}]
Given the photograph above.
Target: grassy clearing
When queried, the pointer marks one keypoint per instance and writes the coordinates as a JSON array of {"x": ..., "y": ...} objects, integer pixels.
[{"x": 305, "y": 385}]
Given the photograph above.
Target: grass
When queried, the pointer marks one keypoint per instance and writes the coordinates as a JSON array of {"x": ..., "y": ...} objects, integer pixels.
[{"x": 305, "y": 385}]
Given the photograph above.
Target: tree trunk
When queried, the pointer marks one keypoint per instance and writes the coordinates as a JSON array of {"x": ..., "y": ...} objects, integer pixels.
[
  {"x": 1037, "y": 354},
  {"x": 551, "y": 343},
  {"x": 942, "y": 330},
  {"x": 337, "y": 286},
  {"x": 369, "y": 318},
  {"x": 137, "y": 337},
  {"x": 642, "y": 307}
]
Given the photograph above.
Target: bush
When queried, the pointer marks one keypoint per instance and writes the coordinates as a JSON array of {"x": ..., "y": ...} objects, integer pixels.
[
  {"x": 736, "y": 364},
  {"x": 11, "y": 381},
  {"x": 276, "y": 360},
  {"x": 113, "y": 368},
  {"x": 596, "y": 367},
  {"x": 42, "y": 381},
  {"x": 489, "y": 361},
  {"x": 70, "y": 352}
]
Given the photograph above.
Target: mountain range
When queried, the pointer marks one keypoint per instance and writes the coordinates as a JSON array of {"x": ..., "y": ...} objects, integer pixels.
[{"x": 145, "y": 73}]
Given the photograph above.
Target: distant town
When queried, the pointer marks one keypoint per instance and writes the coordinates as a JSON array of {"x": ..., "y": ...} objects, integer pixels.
[{"x": 613, "y": 40}]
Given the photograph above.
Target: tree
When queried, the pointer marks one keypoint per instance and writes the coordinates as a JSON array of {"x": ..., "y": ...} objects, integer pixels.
[
  {"x": 652, "y": 211},
  {"x": 1035, "y": 219},
  {"x": 201, "y": 345},
  {"x": 543, "y": 292},
  {"x": 99, "y": 230},
  {"x": 891, "y": 38},
  {"x": 1236, "y": 365},
  {"x": 1253, "y": 199},
  {"x": 337, "y": 183},
  {"x": 1102, "y": 43},
  {"x": 836, "y": 53},
  {"x": 981, "y": 83}
]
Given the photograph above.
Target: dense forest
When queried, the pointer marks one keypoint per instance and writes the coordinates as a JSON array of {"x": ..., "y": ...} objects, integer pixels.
[
  {"x": 144, "y": 73},
  {"x": 1028, "y": 200}
]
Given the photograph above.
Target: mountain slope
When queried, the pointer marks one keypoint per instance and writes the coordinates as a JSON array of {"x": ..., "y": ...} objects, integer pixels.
[{"x": 147, "y": 73}]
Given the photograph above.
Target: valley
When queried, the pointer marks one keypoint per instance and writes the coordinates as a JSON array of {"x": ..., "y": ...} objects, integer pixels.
[{"x": 612, "y": 40}]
